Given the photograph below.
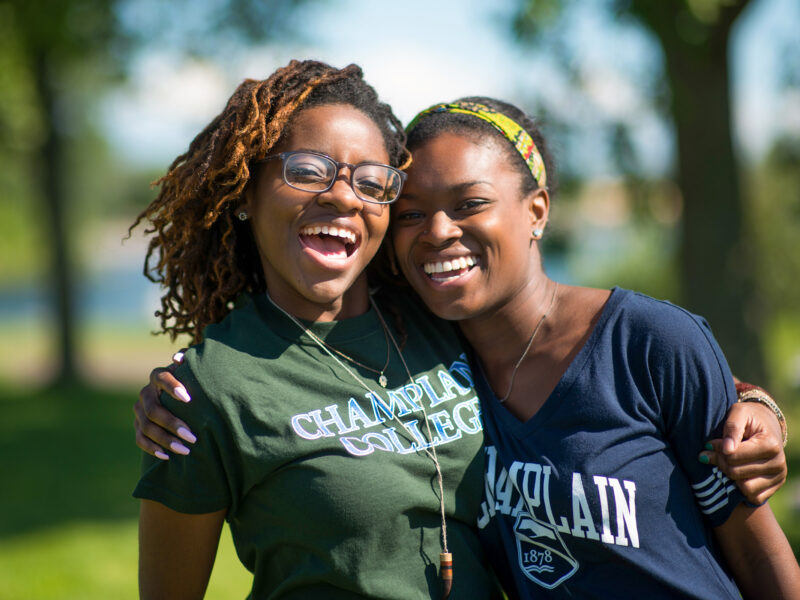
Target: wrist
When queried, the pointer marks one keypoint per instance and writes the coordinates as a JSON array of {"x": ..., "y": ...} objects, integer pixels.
[{"x": 747, "y": 392}]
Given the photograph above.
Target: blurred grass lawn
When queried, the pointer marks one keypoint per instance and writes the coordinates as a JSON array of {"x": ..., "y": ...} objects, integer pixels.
[
  {"x": 69, "y": 463},
  {"x": 68, "y": 521}
]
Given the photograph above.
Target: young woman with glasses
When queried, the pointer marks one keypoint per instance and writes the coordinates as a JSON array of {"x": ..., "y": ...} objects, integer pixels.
[{"x": 338, "y": 432}]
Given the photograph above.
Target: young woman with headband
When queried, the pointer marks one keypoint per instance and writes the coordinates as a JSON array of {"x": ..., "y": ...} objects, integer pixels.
[
  {"x": 590, "y": 398},
  {"x": 397, "y": 424}
]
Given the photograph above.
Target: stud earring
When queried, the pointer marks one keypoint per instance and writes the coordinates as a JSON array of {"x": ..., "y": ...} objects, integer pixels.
[
  {"x": 243, "y": 216},
  {"x": 537, "y": 233}
]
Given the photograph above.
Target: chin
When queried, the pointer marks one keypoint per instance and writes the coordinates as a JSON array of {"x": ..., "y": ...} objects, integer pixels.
[
  {"x": 326, "y": 293},
  {"x": 449, "y": 309}
]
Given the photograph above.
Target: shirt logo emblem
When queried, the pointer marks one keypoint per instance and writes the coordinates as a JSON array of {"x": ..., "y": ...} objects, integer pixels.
[{"x": 543, "y": 557}]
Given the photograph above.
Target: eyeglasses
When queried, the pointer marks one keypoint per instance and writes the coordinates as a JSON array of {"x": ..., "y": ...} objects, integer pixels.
[{"x": 313, "y": 172}]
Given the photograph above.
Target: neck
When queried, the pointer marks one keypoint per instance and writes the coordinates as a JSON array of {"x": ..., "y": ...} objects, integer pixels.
[
  {"x": 500, "y": 336},
  {"x": 354, "y": 302}
]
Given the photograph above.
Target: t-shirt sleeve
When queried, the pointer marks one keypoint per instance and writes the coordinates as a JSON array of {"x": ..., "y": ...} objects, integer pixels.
[
  {"x": 695, "y": 389},
  {"x": 196, "y": 483}
]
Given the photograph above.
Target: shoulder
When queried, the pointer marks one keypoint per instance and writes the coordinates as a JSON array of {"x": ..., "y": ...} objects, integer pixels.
[
  {"x": 659, "y": 321},
  {"x": 665, "y": 338},
  {"x": 230, "y": 347},
  {"x": 247, "y": 329},
  {"x": 238, "y": 324}
]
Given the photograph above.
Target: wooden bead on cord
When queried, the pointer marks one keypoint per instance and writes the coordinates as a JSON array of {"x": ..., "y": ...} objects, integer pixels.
[{"x": 446, "y": 573}]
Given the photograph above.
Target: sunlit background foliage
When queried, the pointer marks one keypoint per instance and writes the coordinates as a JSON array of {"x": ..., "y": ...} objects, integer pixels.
[{"x": 676, "y": 126}]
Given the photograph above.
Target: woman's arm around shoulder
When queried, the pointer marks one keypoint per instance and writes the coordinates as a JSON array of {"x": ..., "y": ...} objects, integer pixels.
[
  {"x": 751, "y": 448},
  {"x": 750, "y": 451},
  {"x": 758, "y": 554},
  {"x": 176, "y": 551}
]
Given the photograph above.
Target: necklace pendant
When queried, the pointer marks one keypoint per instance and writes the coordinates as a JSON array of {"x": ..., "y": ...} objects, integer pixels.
[{"x": 383, "y": 381}]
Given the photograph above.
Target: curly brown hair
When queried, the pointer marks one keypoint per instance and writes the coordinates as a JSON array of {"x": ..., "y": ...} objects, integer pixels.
[{"x": 199, "y": 252}]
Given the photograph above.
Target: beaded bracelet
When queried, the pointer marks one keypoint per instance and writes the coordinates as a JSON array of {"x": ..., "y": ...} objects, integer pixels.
[{"x": 747, "y": 392}]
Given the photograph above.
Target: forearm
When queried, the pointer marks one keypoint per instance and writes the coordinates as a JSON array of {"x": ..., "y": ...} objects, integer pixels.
[{"x": 758, "y": 554}]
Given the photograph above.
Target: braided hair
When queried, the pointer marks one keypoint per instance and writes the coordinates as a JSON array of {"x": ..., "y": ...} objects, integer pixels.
[{"x": 199, "y": 252}]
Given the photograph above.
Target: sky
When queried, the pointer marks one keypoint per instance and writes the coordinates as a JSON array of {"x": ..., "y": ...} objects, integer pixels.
[{"x": 429, "y": 51}]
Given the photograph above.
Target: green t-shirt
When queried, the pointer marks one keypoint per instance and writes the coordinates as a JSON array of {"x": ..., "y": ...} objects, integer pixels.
[{"x": 327, "y": 494}]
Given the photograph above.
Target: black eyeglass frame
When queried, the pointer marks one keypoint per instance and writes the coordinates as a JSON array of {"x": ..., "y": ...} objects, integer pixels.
[{"x": 339, "y": 165}]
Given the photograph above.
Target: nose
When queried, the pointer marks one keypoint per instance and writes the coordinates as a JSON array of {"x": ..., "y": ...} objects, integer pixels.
[
  {"x": 440, "y": 229},
  {"x": 341, "y": 195}
]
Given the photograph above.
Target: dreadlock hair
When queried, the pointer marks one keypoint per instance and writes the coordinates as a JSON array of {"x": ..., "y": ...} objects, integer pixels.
[
  {"x": 436, "y": 123},
  {"x": 199, "y": 252}
]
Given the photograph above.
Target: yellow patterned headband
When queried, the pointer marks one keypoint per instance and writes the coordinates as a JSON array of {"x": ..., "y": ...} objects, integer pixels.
[{"x": 510, "y": 129}]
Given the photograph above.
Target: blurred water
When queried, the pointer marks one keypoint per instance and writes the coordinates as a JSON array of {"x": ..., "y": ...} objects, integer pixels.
[{"x": 120, "y": 295}]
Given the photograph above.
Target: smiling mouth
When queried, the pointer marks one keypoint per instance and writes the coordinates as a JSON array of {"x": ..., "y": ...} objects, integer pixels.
[
  {"x": 330, "y": 241},
  {"x": 448, "y": 270}
]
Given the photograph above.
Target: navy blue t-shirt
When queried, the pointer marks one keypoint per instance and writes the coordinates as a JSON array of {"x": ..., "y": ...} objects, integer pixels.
[{"x": 600, "y": 494}]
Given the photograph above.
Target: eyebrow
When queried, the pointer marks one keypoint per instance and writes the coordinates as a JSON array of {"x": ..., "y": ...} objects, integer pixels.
[
  {"x": 469, "y": 184},
  {"x": 459, "y": 187},
  {"x": 311, "y": 150},
  {"x": 361, "y": 162}
]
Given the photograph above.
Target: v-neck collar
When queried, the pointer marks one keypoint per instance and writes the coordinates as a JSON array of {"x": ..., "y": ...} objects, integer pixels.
[{"x": 520, "y": 429}]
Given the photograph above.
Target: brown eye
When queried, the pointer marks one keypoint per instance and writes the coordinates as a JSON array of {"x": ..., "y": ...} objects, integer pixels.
[{"x": 471, "y": 203}]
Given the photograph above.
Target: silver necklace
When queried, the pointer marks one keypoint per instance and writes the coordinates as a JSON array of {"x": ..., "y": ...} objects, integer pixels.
[
  {"x": 530, "y": 343},
  {"x": 445, "y": 558},
  {"x": 382, "y": 380}
]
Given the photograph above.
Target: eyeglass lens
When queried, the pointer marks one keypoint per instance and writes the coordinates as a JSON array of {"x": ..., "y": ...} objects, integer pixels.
[{"x": 314, "y": 173}]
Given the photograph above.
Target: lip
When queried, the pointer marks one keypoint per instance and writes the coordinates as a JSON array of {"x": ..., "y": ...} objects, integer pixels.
[{"x": 333, "y": 245}]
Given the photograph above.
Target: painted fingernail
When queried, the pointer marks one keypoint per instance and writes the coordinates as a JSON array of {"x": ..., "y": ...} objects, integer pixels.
[
  {"x": 187, "y": 435},
  {"x": 162, "y": 455},
  {"x": 708, "y": 446},
  {"x": 179, "y": 448},
  {"x": 703, "y": 459},
  {"x": 177, "y": 357},
  {"x": 181, "y": 393}
]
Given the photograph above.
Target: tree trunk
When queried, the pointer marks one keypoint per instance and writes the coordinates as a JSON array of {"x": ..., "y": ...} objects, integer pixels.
[
  {"x": 53, "y": 197},
  {"x": 716, "y": 270}
]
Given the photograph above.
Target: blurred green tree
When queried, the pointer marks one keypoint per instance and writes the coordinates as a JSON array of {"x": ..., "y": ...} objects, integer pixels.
[
  {"x": 774, "y": 215},
  {"x": 717, "y": 273},
  {"x": 776, "y": 224},
  {"x": 53, "y": 39}
]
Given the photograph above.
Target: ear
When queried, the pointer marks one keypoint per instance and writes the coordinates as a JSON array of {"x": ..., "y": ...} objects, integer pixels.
[
  {"x": 538, "y": 205},
  {"x": 247, "y": 202}
]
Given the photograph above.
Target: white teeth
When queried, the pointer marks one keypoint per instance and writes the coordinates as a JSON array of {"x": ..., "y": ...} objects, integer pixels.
[
  {"x": 339, "y": 232},
  {"x": 446, "y": 266}
]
